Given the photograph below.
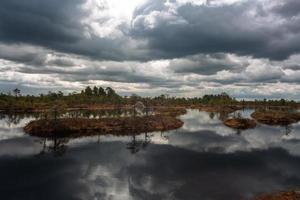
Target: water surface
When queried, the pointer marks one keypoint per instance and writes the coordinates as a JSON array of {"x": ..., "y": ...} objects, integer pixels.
[{"x": 202, "y": 160}]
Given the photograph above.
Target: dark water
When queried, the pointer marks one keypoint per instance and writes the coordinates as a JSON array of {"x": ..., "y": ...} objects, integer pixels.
[{"x": 202, "y": 160}]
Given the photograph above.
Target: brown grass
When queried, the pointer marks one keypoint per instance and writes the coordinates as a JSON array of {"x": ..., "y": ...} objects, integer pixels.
[
  {"x": 238, "y": 123},
  {"x": 170, "y": 111},
  {"x": 276, "y": 117},
  {"x": 69, "y": 127},
  {"x": 218, "y": 109},
  {"x": 289, "y": 195}
]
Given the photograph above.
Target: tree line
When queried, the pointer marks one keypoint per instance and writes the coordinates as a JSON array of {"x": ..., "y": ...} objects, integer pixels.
[{"x": 100, "y": 95}]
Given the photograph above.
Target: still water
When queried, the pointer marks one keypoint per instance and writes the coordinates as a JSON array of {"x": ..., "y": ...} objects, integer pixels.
[{"x": 202, "y": 160}]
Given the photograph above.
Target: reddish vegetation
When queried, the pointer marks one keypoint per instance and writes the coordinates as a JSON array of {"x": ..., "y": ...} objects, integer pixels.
[
  {"x": 276, "y": 117},
  {"x": 76, "y": 127},
  {"x": 170, "y": 111},
  {"x": 290, "y": 195},
  {"x": 227, "y": 109},
  {"x": 238, "y": 123}
]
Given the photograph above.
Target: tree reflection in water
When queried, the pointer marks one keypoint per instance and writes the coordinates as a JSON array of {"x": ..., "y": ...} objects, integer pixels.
[
  {"x": 239, "y": 131},
  {"x": 287, "y": 129},
  {"x": 135, "y": 145},
  {"x": 147, "y": 140},
  {"x": 44, "y": 145},
  {"x": 223, "y": 116},
  {"x": 57, "y": 146},
  {"x": 207, "y": 158},
  {"x": 15, "y": 118},
  {"x": 220, "y": 115},
  {"x": 212, "y": 115},
  {"x": 164, "y": 137}
]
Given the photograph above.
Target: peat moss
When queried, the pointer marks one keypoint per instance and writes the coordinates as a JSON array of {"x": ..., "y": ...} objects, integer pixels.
[
  {"x": 170, "y": 111},
  {"x": 218, "y": 109},
  {"x": 276, "y": 117},
  {"x": 240, "y": 123},
  {"x": 77, "y": 127}
]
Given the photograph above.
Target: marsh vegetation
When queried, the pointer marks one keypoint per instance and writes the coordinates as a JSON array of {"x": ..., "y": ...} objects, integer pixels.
[
  {"x": 211, "y": 132},
  {"x": 79, "y": 127}
]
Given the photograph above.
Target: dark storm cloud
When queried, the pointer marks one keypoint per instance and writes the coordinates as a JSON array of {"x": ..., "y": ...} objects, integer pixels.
[
  {"x": 292, "y": 66},
  {"x": 209, "y": 29},
  {"x": 190, "y": 29},
  {"x": 62, "y": 62},
  {"x": 122, "y": 77},
  {"x": 114, "y": 73},
  {"x": 23, "y": 54},
  {"x": 205, "y": 64},
  {"x": 294, "y": 77},
  {"x": 40, "y": 22},
  {"x": 56, "y": 25},
  {"x": 288, "y": 8},
  {"x": 209, "y": 45}
]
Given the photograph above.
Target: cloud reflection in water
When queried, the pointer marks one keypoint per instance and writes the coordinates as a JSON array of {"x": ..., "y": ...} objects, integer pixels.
[{"x": 198, "y": 161}]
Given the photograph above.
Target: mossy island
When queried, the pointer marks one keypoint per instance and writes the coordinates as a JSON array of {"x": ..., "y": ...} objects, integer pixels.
[
  {"x": 220, "y": 108},
  {"x": 164, "y": 107},
  {"x": 276, "y": 117},
  {"x": 77, "y": 127},
  {"x": 240, "y": 123}
]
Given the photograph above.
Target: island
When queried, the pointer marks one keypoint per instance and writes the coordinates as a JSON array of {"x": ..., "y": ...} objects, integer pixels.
[{"x": 78, "y": 127}]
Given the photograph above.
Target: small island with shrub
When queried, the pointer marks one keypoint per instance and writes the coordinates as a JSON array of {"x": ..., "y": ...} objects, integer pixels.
[{"x": 160, "y": 113}]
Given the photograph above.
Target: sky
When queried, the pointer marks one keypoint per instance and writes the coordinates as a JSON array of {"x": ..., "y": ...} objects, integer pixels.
[{"x": 247, "y": 48}]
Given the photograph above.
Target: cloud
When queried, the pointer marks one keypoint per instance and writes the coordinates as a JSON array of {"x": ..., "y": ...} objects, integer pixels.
[
  {"x": 243, "y": 28},
  {"x": 44, "y": 23},
  {"x": 151, "y": 173},
  {"x": 27, "y": 54},
  {"x": 292, "y": 76},
  {"x": 157, "y": 29},
  {"x": 66, "y": 26},
  {"x": 288, "y": 8},
  {"x": 61, "y": 62},
  {"x": 68, "y": 73},
  {"x": 180, "y": 47},
  {"x": 206, "y": 64},
  {"x": 261, "y": 72}
]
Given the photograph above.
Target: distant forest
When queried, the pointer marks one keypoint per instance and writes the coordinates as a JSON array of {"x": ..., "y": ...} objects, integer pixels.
[{"x": 100, "y": 95}]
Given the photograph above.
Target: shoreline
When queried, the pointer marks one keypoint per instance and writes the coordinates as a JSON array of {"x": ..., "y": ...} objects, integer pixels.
[{"x": 94, "y": 107}]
